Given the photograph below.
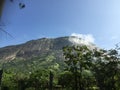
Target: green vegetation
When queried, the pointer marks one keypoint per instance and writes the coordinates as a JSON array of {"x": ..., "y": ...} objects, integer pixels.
[
  {"x": 85, "y": 69},
  {"x": 93, "y": 69},
  {"x": 32, "y": 74},
  {"x": 57, "y": 68}
]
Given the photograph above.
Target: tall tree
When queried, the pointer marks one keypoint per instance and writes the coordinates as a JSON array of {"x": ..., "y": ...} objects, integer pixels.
[
  {"x": 78, "y": 59},
  {"x": 106, "y": 68},
  {"x": 51, "y": 81}
]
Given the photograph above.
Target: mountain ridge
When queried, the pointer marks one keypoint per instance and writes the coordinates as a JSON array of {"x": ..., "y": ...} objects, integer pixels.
[
  {"x": 36, "y": 54},
  {"x": 33, "y": 48}
]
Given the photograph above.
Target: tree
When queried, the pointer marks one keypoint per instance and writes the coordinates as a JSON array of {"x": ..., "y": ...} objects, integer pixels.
[
  {"x": 51, "y": 80},
  {"x": 104, "y": 66},
  {"x": 39, "y": 79},
  {"x": 65, "y": 79},
  {"x": 106, "y": 69},
  {"x": 78, "y": 59}
]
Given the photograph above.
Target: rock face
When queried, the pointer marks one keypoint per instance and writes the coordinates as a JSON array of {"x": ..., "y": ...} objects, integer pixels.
[{"x": 33, "y": 48}]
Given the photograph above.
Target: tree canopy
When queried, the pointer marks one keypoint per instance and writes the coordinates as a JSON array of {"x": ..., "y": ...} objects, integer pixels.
[{"x": 103, "y": 65}]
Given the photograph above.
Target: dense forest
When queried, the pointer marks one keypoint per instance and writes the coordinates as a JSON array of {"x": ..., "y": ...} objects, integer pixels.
[{"x": 85, "y": 69}]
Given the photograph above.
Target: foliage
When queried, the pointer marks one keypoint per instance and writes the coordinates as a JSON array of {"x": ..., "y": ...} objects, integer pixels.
[
  {"x": 85, "y": 69},
  {"x": 78, "y": 59},
  {"x": 65, "y": 79},
  {"x": 106, "y": 69},
  {"x": 102, "y": 64},
  {"x": 39, "y": 79}
]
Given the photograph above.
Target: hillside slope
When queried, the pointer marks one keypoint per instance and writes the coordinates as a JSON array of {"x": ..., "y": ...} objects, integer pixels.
[{"x": 41, "y": 53}]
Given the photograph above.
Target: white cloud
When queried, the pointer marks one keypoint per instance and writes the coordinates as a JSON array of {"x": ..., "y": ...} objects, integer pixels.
[{"x": 82, "y": 39}]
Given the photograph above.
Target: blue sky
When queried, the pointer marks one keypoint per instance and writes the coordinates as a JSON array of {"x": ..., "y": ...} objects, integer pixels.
[{"x": 56, "y": 18}]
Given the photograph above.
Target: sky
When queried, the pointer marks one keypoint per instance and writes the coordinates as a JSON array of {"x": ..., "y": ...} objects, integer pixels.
[{"x": 97, "y": 19}]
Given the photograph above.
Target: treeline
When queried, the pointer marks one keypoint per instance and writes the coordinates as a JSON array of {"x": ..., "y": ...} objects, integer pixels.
[
  {"x": 41, "y": 79},
  {"x": 87, "y": 69}
]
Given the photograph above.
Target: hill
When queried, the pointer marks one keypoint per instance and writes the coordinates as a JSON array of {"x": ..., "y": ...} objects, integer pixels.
[{"x": 34, "y": 54}]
